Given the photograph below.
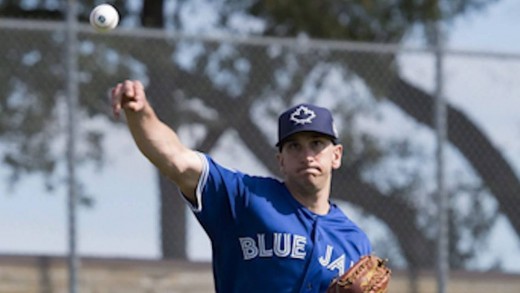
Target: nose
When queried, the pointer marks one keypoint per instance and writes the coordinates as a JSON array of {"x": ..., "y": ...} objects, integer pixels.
[{"x": 308, "y": 154}]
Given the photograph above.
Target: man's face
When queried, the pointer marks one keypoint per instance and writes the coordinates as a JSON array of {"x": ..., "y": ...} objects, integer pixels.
[{"x": 308, "y": 158}]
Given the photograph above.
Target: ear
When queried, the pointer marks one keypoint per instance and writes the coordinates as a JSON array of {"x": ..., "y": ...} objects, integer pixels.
[
  {"x": 337, "y": 154},
  {"x": 279, "y": 158}
]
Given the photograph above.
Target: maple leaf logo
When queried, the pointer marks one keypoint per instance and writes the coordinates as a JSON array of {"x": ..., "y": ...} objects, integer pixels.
[{"x": 302, "y": 115}]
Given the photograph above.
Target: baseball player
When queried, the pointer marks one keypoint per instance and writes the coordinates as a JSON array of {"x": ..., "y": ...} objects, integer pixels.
[{"x": 267, "y": 235}]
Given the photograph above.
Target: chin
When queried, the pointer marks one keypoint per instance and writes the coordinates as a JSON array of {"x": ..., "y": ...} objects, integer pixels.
[{"x": 311, "y": 183}]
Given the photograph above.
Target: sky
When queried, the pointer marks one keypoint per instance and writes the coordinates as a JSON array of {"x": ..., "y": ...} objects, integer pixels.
[
  {"x": 491, "y": 30},
  {"x": 36, "y": 223}
]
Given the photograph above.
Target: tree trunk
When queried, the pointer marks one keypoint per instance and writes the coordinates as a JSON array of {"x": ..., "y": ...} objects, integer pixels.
[
  {"x": 173, "y": 221},
  {"x": 152, "y": 13}
]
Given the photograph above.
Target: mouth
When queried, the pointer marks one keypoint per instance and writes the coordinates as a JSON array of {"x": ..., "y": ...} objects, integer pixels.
[{"x": 309, "y": 170}]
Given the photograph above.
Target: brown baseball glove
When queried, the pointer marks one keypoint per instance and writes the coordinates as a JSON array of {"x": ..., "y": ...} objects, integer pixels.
[{"x": 369, "y": 275}]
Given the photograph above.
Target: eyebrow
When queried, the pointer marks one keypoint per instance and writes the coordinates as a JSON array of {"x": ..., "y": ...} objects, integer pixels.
[{"x": 311, "y": 136}]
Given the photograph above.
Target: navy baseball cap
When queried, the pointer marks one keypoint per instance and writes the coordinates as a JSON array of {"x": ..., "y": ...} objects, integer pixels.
[{"x": 306, "y": 117}]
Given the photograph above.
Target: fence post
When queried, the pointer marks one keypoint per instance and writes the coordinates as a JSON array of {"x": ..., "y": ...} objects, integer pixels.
[
  {"x": 440, "y": 128},
  {"x": 72, "y": 101}
]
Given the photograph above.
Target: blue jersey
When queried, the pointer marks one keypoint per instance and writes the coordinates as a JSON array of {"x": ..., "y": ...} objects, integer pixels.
[{"x": 263, "y": 240}]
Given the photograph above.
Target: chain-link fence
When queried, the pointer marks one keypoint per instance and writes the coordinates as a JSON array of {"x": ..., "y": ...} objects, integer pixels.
[{"x": 223, "y": 95}]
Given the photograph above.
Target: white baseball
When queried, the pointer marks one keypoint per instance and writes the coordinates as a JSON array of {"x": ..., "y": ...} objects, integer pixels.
[{"x": 104, "y": 17}]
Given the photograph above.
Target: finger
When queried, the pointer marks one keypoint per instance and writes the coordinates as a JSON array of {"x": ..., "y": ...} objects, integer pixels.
[
  {"x": 134, "y": 98},
  {"x": 128, "y": 89},
  {"x": 116, "y": 96},
  {"x": 138, "y": 88}
]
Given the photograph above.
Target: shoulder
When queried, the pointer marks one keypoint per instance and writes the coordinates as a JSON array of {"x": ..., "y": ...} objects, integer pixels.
[
  {"x": 344, "y": 224},
  {"x": 214, "y": 167},
  {"x": 263, "y": 181}
]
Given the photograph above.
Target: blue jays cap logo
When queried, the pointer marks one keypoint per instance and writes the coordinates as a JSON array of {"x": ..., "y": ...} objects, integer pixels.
[
  {"x": 306, "y": 117},
  {"x": 302, "y": 115}
]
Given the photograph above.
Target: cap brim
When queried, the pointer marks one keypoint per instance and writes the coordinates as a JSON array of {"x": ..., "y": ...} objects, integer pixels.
[{"x": 334, "y": 139}]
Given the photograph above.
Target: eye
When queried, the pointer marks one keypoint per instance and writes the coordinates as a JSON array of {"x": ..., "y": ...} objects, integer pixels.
[
  {"x": 317, "y": 143},
  {"x": 292, "y": 145}
]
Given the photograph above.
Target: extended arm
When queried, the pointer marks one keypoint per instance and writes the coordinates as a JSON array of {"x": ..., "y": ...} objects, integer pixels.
[{"x": 158, "y": 142}]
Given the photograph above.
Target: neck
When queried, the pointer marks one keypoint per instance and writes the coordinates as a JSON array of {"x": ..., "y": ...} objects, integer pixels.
[{"x": 316, "y": 201}]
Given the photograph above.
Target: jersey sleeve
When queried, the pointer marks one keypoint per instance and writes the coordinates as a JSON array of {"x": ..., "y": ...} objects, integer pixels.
[
  {"x": 220, "y": 193},
  {"x": 197, "y": 207}
]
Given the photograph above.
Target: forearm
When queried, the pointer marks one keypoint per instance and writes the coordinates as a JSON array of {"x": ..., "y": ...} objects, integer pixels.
[{"x": 159, "y": 143}]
